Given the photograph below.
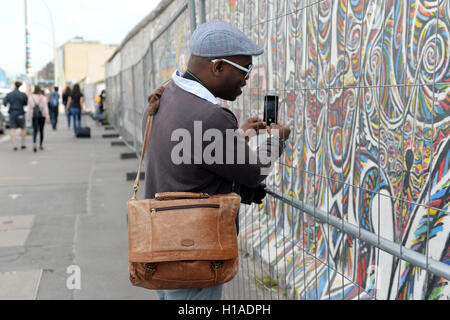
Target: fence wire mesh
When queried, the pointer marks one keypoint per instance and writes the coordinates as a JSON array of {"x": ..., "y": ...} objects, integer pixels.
[{"x": 366, "y": 86}]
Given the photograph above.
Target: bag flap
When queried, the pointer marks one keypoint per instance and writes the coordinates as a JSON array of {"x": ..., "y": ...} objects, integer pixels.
[{"x": 183, "y": 229}]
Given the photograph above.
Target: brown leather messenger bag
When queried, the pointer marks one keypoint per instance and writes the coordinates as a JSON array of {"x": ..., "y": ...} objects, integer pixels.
[{"x": 180, "y": 240}]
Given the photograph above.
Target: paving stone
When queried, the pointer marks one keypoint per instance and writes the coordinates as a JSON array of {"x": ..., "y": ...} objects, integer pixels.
[
  {"x": 19, "y": 285},
  {"x": 14, "y": 230}
]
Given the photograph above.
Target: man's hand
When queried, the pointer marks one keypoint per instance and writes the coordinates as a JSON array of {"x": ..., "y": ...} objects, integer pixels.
[
  {"x": 283, "y": 131},
  {"x": 253, "y": 123},
  {"x": 251, "y": 127}
]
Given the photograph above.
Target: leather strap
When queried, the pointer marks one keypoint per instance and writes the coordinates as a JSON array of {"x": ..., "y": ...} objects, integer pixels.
[
  {"x": 180, "y": 195},
  {"x": 153, "y": 106}
]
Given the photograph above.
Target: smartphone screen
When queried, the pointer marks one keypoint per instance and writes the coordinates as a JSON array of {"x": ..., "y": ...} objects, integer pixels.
[{"x": 270, "y": 109}]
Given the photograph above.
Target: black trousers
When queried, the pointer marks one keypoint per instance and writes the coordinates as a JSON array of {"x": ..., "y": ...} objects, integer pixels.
[
  {"x": 38, "y": 126},
  {"x": 53, "y": 116}
]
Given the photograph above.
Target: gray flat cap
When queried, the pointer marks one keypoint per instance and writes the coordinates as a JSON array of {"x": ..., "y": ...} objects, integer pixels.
[{"x": 221, "y": 39}]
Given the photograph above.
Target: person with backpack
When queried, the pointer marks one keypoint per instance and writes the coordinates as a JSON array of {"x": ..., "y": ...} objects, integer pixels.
[
  {"x": 16, "y": 101},
  {"x": 38, "y": 114},
  {"x": 53, "y": 107}
]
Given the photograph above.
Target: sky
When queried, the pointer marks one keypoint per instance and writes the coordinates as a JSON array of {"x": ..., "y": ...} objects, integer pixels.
[{"x": 106, "y": 21}]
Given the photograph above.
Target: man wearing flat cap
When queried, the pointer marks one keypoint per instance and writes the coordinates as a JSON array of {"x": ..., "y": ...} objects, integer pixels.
[{"x": 219, "y": 67}]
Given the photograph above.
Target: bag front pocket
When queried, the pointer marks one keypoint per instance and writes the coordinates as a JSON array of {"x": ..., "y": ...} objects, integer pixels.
[{"x": 186, "y": 227}]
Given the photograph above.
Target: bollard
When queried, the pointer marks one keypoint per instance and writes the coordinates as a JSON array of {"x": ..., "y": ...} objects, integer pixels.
[
  {"x": 131, "y": 176},
  {"x": 118, "y": 144},
  {"x": 114, "y": 135},
  {"x": 129, "y": 155}
]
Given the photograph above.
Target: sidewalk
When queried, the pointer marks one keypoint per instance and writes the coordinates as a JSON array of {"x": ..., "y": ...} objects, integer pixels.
[{"x": 65, "y": 206}]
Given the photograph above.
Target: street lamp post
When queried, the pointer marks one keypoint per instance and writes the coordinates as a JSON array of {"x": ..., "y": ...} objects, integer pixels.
[
  {"x": 55, "y": 59},
  {"x": 27, "y": 44}
]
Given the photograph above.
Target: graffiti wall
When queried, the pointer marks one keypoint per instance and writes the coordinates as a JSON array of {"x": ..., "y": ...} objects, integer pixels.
[
  {"x": 366, "y": 84},
  {"x": 366, "y": 87}
]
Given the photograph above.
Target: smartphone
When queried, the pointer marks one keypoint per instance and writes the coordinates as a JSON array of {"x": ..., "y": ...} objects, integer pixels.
[{"x": 270, "y": 109}]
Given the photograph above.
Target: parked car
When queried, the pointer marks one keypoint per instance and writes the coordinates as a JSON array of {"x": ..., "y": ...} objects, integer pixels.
[
  {"x": 2, "y": 123},
  {"x": 4, "y": 111}
]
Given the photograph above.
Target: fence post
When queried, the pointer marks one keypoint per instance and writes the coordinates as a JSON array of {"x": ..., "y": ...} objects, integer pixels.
[
  {"x": 120, "y": 120},
  {"x": 202, "y": 12},
  {"x": 192, "y": 15},
  {"x": 152, "y": 63},
  {"x": 134, "y": 112}
]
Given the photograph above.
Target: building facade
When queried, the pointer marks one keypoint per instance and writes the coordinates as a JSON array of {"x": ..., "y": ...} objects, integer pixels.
[
  {"x": 47, "y": 74},
  {"x": 84, "y": 60}
]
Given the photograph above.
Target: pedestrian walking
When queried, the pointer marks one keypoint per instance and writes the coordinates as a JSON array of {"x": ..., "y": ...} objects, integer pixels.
[
  {"x": 16, "y": 101},
  {"x": 38, "y": 114},
  {"x": 219, "y": 67},
  {"x": 53, "y": 107},
  {"x": 75, "y": 105},
  {"x": 65, "y": 97}
]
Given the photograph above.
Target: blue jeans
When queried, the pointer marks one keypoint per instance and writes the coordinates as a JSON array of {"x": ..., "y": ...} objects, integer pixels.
[
  {"x": 213, "y": 293},
  {"x": 68, "y": 115},
  {"x": 76, "y": 115}
]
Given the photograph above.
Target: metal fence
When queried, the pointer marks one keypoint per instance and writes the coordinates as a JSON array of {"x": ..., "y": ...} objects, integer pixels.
[{"x": 358, "y": 204}]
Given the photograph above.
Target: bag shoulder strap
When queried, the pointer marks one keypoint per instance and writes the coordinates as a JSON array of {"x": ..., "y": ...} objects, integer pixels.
[{"x": 153, "y": 106}]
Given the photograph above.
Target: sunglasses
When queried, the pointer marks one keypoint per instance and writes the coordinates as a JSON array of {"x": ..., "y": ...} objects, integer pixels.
[{"x": 247, "y": 71}]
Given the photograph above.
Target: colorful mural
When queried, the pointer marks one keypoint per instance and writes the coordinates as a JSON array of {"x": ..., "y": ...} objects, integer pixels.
[
  {"x": 172, "y": 49},
  {"x": 367, "y": 85}
]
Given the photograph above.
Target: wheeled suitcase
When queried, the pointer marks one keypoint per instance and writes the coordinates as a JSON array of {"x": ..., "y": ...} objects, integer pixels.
[{"x": 83, "y": 132}]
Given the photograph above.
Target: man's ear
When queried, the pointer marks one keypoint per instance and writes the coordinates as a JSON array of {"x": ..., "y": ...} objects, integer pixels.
[{"x": 217, "y": 67}]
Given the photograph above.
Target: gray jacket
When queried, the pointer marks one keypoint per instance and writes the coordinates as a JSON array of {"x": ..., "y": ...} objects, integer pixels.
[{"x": 180, "y": 109}]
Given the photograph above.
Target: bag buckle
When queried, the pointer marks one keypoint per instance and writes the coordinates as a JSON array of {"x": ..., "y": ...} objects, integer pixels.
[
  {"x": 216, "y": 265},
  {"x": 151, "y": 267},
  {"x": 135, "y": 191}
]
